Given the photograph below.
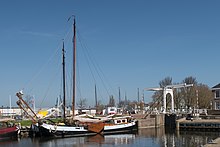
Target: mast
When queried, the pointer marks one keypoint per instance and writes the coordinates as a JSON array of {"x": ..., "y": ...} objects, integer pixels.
[
  {"x": 64, "y": 85},
  {"x": 119, "y": 95},
  {"x": 96, "y": 101},
  {"x": 74, "y": 66}
]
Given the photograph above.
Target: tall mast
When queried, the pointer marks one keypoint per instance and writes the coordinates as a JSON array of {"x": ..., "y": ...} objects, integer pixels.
[
  {"x": 119, "y": 95},
  {"x": 96, "y": 101},
  {"x": 64, "y": 85},
  {"x": 74, "y": 66}
]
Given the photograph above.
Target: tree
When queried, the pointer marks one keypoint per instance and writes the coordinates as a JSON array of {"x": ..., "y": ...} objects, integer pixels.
[
  {"x": 204, "y": 96},
  {"x": 82, "y": 104},
  {"x": 111, "y": 101},
  {"x": 189, "y": 93},
  {"x": 29, "y": 100},
  {"x": 166, "y": 81},
  {"x": 99, "y": 107}
]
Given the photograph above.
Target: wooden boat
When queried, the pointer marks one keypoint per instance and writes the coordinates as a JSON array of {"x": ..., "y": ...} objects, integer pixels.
[
  {"x": 89, "y": 126},
  {"x": 78, "y": 125},
  {"x": 113, "y": 124},
  {"x": 8, "y": 130},
  {"x": 71, "y": 127}
]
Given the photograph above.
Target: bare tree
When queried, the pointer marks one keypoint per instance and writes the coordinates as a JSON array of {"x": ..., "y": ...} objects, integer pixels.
[
  {"x": 189, "y": 93},
  {"x": 204, "y": 96},
  {"x": 111, "y": 101},
  {"x": 29, "y": 100},
  {"x": 166, "y": 81},
  {"x": 82, "y": 104},
  {"x": 99, "y": 107}
]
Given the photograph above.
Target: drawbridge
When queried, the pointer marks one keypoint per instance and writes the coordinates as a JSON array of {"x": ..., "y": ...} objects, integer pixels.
[{"x": 166, "y": 90}]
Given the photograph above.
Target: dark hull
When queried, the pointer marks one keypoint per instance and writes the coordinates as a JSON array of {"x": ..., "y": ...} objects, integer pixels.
[
  {"x": 44, "y": 132},
  {"x": 8, "y": 133},
  {"x": 61, "y": 134},
  {"x": 128, "y": 129},
  {"x": 40, "y": 131}
]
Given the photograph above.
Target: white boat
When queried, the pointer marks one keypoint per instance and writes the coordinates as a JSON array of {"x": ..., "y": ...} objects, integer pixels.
[{"x": 113, "y": 124}]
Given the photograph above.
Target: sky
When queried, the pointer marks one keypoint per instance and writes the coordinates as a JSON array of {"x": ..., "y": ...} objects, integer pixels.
[{"x": 127, "y": 44}]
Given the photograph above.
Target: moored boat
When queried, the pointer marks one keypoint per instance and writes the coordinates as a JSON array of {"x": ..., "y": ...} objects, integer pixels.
[
  {"x": 8, "y": 130},
  {"x": 123, "y": 124},
  {"x": 71, "y": 127},
  {"x": 78, "y": 125},
  {"x": 113, "y": 124}
]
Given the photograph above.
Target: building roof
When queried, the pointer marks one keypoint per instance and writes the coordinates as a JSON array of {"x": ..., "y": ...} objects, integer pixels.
[{"x": 216, "y": 87}]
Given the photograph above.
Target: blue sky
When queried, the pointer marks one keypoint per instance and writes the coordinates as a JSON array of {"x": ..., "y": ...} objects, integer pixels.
[{"x": 136, "y": 44}]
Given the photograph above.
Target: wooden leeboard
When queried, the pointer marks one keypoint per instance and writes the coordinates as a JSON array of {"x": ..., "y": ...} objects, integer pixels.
[{"x": 96, "y": 127}]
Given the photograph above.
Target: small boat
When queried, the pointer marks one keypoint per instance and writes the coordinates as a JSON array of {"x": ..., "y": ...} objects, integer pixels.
[
  {"x": 8, "y": 130},
  {"x": 123, "y": 124},
  {"x": 113, "y": 124}
]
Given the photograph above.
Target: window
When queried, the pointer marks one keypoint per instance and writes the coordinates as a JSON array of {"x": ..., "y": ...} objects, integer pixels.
[
  {"x": 217, "y": 105},
  {"x": 217, "y": 94}
]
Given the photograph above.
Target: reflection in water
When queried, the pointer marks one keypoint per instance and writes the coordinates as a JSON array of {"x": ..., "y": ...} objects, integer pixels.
[
  {"x": 120, "y": 139},
  {"x": 172, "y": 138},
  {"x": 143, "y": 138}
]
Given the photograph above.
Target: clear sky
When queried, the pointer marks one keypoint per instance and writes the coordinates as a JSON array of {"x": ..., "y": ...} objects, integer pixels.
[{"x": 136, "y": 44}]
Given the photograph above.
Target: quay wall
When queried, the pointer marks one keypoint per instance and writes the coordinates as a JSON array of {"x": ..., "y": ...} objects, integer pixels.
[{"x": 152, "y": 121}]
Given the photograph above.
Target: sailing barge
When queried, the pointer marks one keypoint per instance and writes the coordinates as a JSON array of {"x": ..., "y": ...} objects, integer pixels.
[{"x": 78, "y": 125}]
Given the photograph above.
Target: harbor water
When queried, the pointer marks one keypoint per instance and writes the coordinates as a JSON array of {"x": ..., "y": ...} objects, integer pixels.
[{"x": 150, "y": 137}]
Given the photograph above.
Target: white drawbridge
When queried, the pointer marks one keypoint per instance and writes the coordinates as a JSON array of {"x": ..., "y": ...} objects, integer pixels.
[{"x": 168, "y": 90}]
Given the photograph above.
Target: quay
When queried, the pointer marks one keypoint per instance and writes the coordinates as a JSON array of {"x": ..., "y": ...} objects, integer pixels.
[
  {"x": 151, "y": 121},
  {"x": 198, "y": 124}
]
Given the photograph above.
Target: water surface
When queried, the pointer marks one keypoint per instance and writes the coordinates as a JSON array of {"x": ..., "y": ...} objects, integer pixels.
[{"x": 143, "y": 138}]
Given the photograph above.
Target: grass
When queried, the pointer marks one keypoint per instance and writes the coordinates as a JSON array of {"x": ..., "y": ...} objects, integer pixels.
[{"x": 26, "y": 122}]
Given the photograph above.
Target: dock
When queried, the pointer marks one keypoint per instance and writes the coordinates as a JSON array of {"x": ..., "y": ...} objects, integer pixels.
[{"x": 198, "y": 124}]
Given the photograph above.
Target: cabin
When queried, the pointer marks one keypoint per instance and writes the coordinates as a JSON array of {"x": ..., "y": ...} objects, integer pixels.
[
  {"x": 216, "y": 97},
  {"x": 110, "y": 110}
]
